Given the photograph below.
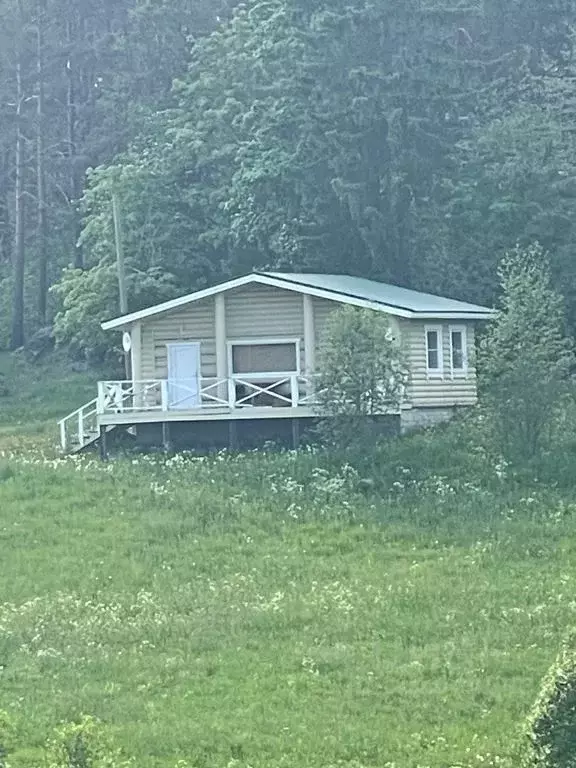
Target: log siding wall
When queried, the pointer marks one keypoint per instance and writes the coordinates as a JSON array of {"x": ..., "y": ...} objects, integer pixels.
[{"x": 257, "y": 311}]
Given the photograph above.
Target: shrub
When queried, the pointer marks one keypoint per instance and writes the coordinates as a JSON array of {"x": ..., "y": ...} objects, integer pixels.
[
  {"x": 84, "y": 744},
  {"x": 362, "y": 375},
  {"x": 552, "y": 724},
  {"x": 7, "y": 732},
  {"x": 6, "y": 472},
  {"x": 526, "y": 358}
]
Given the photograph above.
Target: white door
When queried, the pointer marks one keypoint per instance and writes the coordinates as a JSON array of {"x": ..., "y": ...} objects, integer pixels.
[{"x": 183, "y": 376}]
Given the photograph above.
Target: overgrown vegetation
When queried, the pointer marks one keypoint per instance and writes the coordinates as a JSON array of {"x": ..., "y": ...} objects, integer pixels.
[
  {"x": 275, "y": 609},
  {"x": 210, "y": 610},
  {"x": 527, "y": 358},
  {"x": 552, "y": 725}
]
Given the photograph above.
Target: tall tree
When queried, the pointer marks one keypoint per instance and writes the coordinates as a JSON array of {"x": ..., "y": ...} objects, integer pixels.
[
  {"x": 19, "y": 256},
  {"x": 526, "y": 375},
  {"x": 42, "y": 225}
]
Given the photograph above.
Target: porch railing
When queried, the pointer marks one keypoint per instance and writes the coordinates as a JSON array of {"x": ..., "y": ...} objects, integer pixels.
[
  {"x": 80, "y": 427},
  {"x": 233, "y": 393}
]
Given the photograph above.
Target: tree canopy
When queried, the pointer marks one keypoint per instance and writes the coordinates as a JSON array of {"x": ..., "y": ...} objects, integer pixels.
[{"x": 412, "y": 142}]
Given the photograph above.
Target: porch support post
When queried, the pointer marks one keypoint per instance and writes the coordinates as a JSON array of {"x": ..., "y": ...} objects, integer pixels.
[
  {"x": 164, "y": 394},
  {"x": 232, "y": 435},
  {"x": 166, "y": 438},
  {"x": 221, "y": 349},
  {"x": 309, "y": 340},
  {"x": 295, "y": 434},
  {"x": 136, "y": 362},
  {"x": 136, "y": 352}
]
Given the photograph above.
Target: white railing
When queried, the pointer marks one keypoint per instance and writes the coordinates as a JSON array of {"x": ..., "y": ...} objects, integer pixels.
[
  {"x": 232, "y": 393},
  {"x": 80, "y": 427}
]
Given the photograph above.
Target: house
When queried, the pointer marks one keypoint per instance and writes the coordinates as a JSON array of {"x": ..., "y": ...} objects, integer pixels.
[{"x": 240, "y": 359}]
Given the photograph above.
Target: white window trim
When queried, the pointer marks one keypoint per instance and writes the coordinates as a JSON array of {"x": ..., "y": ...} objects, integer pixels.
[
  {"x": 459, "y": 373},
  {"x": 266, "y": 375},
  {"x": 437, "y": 373}
]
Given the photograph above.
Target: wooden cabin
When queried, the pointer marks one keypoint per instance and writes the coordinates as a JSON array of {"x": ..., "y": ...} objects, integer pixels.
[{"x": 240, "y": 357}]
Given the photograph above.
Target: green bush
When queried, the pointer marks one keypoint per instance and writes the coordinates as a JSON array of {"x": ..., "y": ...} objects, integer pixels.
[
  {"x": 527, "y": 358},
  {"x": 362, "y": 376},
  {"x": 552, "y": 724},
  {"x": 7, "y": 731},
  {"x": 6, "y": 472},
  {"x": 84, "y": 744}
]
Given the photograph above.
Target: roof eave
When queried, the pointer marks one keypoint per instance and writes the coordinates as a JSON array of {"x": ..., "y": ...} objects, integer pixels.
[
  {"x": 168, "y": 306},
  {"x": 127, "y": 320},
  {"x": 488, "y": 315}
]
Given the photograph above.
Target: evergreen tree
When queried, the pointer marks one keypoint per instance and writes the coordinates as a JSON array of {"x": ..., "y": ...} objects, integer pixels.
[{"x": 527, "y": 359}]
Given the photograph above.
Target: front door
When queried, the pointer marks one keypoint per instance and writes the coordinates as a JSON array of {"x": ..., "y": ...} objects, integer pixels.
[{"x": 183, "y": 376}]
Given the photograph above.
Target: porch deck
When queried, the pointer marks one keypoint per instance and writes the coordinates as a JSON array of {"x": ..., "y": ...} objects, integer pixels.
[{"x": 130, "y": 403}]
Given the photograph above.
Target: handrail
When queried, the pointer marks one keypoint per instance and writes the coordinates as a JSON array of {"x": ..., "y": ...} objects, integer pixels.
[
  {"x": 77, "y": 411},
  {"x": 79, "y": 417},
  {"x": 161, "y": 394}
]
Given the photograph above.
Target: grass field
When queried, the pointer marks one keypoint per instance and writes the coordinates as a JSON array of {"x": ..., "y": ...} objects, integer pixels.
[{"x": 275, "y": 610}]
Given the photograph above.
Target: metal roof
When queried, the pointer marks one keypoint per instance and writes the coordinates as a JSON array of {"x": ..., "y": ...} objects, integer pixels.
[
  {"x": 357, "y": 291},
  {"x": 382, "y": 293}
]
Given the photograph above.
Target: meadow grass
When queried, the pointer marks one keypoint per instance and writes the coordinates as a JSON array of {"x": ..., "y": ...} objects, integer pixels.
[
  {"x": 40, "y": 394},
  {"x": 277, "y": 609}
]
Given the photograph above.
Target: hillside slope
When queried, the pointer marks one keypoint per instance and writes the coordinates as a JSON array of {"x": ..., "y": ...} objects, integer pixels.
[{"x": 261, "y": 611}]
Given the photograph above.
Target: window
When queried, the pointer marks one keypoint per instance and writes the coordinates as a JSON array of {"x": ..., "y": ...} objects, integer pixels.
[
  {"x": 458, "y": 346},
  {"x": 434, "y": 357},
  {"x": 264, "y": 357}
]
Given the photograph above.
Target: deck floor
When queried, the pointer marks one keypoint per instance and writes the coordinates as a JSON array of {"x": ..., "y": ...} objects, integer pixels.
[{"x": 204, "y": 414}]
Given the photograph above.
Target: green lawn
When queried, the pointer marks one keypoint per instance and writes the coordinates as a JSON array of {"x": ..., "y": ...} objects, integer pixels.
[
  {"x": 261, "y": 611},
  {"x": 39, "y": 395}
]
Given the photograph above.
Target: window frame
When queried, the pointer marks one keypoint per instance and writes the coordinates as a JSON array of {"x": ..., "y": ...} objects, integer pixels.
[
  {"x": 439, "y": 371},
  {"x": 459, "y": 372},
  {"x": 263, "y": 375}
]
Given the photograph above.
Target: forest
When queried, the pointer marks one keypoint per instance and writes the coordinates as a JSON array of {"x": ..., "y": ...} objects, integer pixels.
[{"x": 409, "y": 142}]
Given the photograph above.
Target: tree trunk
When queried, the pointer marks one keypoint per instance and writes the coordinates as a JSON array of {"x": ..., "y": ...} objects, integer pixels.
[
  {"x": 42, "y": 224},
  {"x": 73, "y": 174},
  {"x": 5, "y": 208},
  {"x": 17, "y": 333}
]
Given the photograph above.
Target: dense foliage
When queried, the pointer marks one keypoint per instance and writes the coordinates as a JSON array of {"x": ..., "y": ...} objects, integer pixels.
[
  {"x": 413, "y": 142},
  {"x": 552, "y": 724},
  {"x": 527, "y": 360},
  {"x": 78, "y": 81}
]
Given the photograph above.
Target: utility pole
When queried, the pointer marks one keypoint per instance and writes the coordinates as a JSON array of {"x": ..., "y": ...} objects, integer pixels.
[
  {"x": 120, "y": 256},
  {"x": 121, "y": 267},
  {"x": 19, "y": 258}
]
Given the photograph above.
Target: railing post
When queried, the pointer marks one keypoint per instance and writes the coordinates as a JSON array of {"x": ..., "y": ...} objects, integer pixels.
[
  {"x": 312, "y": 383},
  {"x": 138, "y": 399},
  {"x": 81, "y": 427},
  {"x": 101, "y": 400},
  {"x": 294, "y": 391},
  {"x": 63, "y": 441},
  {"x": 231, "y": 393},
  {"x": 164, "y": 394}
]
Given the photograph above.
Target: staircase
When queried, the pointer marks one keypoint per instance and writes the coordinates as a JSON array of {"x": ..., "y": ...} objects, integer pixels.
[{"x": 80, "y": 429}]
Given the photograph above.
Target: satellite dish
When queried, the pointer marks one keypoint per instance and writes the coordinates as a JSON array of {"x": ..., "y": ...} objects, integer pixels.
[{"x": 126, "y": 341}]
